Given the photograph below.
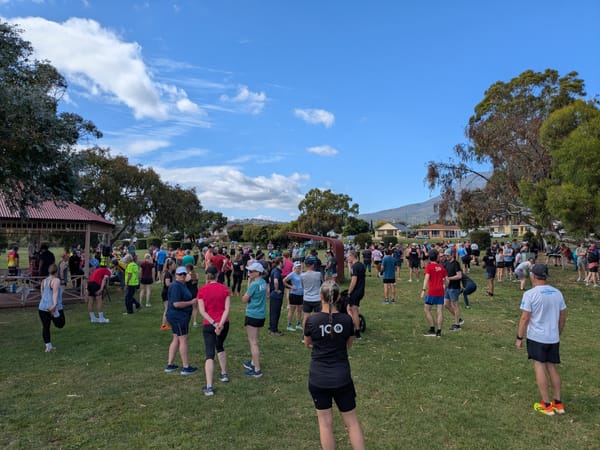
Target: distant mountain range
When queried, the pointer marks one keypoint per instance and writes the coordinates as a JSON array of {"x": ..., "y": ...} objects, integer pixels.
[{"x": 417, "y": 213}]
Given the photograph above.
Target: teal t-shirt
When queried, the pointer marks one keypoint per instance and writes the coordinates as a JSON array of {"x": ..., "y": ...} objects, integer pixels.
[{"x": 257, "y": 305}]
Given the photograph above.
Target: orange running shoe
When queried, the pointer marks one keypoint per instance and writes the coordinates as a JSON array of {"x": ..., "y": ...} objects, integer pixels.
[
  {"x": 164, "y": 327},
  {"x": 543, "y": 409},
  {"x": 558, "y": 407}
]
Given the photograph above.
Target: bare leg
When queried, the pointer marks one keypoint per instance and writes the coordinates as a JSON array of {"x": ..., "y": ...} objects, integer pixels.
[
  {"x": 222, "y": 361},
  {"x": 355, "y": 317},
  {"x": 541, "y": 380},
  {"x": 99, "y": 303},
  {"x": 440, "y": 316},
  {"x": 254, "y": 349},
  {"x": 173, "y": 349},
  {"x": 209, "y": 366},
  {"x": 554, "y": 379},
  {"x": 355, "y": 433},
  {"x": 427, "y": 309},
  {"x": 325, "y": 417},
  {"x": 183, "y": 350}
]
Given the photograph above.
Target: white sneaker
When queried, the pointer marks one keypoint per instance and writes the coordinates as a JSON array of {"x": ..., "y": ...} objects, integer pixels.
[
  {"x": 578, "y": 279},
  {"x": 94, "y": 320},
  {"x": 103, "y": 320}
]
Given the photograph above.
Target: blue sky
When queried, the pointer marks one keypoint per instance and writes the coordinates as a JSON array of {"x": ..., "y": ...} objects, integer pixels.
[{"x": 254, "y": 103}]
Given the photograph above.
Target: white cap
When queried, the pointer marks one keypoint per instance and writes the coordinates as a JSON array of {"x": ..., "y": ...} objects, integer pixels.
[{"x": 255, "y": 267}]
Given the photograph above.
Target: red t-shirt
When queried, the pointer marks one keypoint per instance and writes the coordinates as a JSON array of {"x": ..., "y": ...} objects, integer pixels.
[
  {"x": 98, "y": 275},
  {"x": 214, "y": 295},
  {"x": 437, "y": 273},
  {"x": 217, "y": 261}
]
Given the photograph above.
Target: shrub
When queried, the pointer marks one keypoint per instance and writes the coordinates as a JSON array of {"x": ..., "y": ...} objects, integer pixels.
[
  {"x": 363, "y": 239},
  {"x": 481, "y": 237},
  {"x": 387, "y": 240}
]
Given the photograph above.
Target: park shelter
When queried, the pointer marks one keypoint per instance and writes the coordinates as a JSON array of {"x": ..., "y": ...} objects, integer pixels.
[{"x": 50, "y": 217}]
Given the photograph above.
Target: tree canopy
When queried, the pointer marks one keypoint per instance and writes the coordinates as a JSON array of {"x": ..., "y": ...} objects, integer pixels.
[
  {"x": 572, "y": 194},
  {"x": 504, "y": 132},
  {"x": 37, "y": 142},
  {"x": 323, "y": 210}
]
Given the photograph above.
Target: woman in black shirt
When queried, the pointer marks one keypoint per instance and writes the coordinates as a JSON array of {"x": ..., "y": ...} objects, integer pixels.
[{"x": 329, "y": 334}]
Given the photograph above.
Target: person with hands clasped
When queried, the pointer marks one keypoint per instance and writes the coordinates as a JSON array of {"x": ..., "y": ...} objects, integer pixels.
[
  {"x": 543, "y": 319},
  {"x": 213, "y": 304},
  {"x": 179, "y": 312},
  {"x": 329, "y": 333}
]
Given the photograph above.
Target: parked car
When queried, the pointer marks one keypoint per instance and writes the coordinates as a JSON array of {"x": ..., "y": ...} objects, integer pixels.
[
  {"x": 498, "y": 235},
  {"x": 421, "y": 236}
]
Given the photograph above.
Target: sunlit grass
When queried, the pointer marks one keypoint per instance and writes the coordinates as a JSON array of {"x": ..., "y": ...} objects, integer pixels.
[{"x": 105, "y": 386}]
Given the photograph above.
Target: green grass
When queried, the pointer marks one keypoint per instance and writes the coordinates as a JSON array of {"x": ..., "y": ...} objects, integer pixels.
[{"x": 105, "y": 386}]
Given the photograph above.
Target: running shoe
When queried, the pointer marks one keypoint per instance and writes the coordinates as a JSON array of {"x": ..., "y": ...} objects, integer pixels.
[
  {"x": 188, "y": 370},
  {"x": 171, "y": 368},
  {"x": 208, "y": 391},
  {"x": 543, "y": 409},
  {"x": 253, "y": 373},
  {"x": 558, "y": 407}
]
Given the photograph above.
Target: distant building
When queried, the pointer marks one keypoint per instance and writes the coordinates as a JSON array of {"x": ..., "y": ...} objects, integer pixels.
[
  {"x": 392, "y": 229},
  {"x": 438, "y": 231},
  {"x": 501, "y": 229}
]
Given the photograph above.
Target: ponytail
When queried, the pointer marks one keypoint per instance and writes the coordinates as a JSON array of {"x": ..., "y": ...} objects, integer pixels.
[{"x": 330, "y": 292}]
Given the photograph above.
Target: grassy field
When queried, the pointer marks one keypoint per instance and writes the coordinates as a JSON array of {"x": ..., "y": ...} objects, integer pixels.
[{"x": 105, "y": 386}]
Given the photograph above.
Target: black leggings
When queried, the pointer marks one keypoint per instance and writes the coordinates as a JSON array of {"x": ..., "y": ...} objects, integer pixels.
[
  {"x": 47, "y": 318},
  {"x": 237, "y": 282},
  {"x": 212, "y": 341}
]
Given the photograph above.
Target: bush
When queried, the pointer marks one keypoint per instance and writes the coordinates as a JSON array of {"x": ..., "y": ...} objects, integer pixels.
[
  {"x": 363, "y": 239},
  {"x": 482, "y": 238},
  {"x": 387, "y": 240}
]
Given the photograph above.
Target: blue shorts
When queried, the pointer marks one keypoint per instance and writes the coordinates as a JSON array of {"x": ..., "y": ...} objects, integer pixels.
[
  {"x": 452, "y": 294},
  {"x": 179, "y": 327},
  {"x": 434, "y": 299},
  {"x": 490, "y": 274}
]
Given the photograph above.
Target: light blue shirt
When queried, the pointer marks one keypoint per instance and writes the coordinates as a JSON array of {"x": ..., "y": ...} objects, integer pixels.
[{"x": 257, "y": 305}]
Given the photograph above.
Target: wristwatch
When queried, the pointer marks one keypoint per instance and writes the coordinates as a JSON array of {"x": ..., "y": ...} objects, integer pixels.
[{"x": 519, "y": 338}]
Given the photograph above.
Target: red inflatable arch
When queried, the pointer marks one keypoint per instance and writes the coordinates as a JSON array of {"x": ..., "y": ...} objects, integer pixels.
[{"x": 336, "y": 245}]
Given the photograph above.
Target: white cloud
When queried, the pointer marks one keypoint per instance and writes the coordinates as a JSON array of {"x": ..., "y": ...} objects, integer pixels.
[
  {"x": 221, "y": 187},
  {"x": 98, "y": 61},
  {"x": 323, "y": 150},
  {"x": 142, "y": 146},
  {"x": 316, "y": 116},
  {"x": 253, "y": 102}
]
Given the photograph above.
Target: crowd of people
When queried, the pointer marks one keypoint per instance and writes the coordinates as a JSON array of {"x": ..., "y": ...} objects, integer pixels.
[{"x": 265, "y": 282}]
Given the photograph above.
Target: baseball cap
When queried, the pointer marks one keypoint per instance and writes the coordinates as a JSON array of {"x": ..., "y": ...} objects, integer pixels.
[
  {"x": 255, "y": 267},
  {"x": 448, "y": 252},
  {"x": 212, "y": 270},
  {"x": 297, "y": 264},
  {"x": 540, "y": 271},
  {"x": 180, "y": 270}
]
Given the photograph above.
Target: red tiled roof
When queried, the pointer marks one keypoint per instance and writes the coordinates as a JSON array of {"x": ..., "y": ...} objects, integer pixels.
[{"x": 49, "y": 210}]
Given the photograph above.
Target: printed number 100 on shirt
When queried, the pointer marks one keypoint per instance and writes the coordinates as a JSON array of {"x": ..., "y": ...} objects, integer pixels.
[{"x": 338, "y": 328}]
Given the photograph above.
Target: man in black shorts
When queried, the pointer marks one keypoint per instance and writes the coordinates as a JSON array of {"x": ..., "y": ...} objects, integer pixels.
[
  {"x": 543, "y": 318},
  {"x": 356, "y": 290}
]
